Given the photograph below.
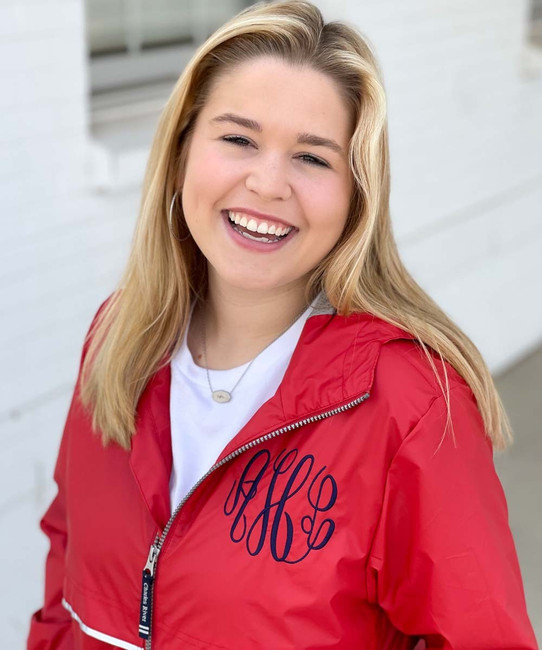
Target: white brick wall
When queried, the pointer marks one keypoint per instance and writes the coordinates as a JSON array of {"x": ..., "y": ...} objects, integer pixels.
[
  {"x": 466, "y": 141},
  {"x": 62, "y": 249}
]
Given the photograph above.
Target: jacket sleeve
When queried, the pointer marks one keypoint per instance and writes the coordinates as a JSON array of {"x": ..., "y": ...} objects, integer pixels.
[
  {"x": 51, "y": 626},
  {"x": 443, "y": 562}
]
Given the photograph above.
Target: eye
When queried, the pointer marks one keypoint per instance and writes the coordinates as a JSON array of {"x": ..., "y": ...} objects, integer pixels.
[
  {"x": 313, "y": 160},
  {"x": 239, "y": 140}
]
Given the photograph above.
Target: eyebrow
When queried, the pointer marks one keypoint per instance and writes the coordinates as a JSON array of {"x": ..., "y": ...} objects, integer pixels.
[
  {"x": 302, "y": 138},
  {"x": 317, "y": 141}
]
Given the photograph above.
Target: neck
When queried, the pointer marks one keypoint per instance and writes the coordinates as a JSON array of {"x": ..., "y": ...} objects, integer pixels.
[{"x": 239, "y": 324}]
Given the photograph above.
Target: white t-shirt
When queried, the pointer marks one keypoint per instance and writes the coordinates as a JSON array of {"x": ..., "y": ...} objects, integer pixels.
[{"x": 200, "y": 427}]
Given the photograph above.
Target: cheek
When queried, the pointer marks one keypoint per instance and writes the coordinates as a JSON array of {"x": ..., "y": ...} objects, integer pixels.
[
  {"x": 328, "y": 205},
  {"x": 213, "y": 169},
  {"x": 206, "y": 181},
  {"x": 210, "y": 161}
]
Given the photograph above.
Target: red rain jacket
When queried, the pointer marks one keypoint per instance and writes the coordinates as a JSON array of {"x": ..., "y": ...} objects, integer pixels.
[{"x": 341, "y": 516}]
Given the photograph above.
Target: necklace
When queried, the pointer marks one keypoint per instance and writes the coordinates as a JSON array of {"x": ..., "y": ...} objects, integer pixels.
[{"x": 222, "y": 396}]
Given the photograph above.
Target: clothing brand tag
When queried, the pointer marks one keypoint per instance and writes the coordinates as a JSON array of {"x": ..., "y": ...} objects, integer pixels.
[{"x": 145, "y": 607}]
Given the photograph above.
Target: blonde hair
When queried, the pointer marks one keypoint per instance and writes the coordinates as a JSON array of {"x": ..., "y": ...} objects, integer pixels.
[{"x": 142, "y": 324}]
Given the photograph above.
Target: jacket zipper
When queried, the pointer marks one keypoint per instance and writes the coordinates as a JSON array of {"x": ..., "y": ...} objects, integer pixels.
[{"x": 149, "y": 571}]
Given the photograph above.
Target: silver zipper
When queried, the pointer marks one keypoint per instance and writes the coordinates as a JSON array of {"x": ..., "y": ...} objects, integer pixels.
[{"x": 149, "y": 572}]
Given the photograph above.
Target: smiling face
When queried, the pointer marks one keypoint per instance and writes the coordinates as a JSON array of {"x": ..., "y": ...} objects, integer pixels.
[{"x": 267, "y": 185}]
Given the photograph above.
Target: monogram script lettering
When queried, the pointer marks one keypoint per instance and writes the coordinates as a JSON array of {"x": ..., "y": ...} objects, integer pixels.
[{"x": 291, "y": 505}]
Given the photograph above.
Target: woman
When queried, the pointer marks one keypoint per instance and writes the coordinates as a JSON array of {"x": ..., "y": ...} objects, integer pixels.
[{"x": 294, "y": 443}]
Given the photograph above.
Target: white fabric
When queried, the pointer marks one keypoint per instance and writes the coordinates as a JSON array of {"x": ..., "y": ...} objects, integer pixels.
[
  {"x": 95, "y": 634},
  {"x": 200, "y": 427}
]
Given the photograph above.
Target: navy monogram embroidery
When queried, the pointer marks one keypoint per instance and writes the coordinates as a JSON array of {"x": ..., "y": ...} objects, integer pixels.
[{"x": 293, "y": 487}]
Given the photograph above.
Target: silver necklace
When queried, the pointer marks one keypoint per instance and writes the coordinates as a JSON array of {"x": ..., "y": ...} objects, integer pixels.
[{"x": 222, "y": 396}]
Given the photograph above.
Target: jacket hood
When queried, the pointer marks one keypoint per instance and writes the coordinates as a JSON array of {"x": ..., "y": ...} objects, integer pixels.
[{"x": 344, "y": 368}]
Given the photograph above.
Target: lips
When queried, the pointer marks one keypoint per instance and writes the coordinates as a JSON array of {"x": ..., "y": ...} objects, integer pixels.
[
  {"x": 256, "y": 228},
  {"x": 252, "y": 235},
  {"x": 260, "y": 217},
  {"x": 262, "y": 226}
]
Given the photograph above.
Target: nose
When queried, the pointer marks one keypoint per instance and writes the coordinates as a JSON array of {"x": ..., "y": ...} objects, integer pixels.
[{"x": 268, "y": 177}]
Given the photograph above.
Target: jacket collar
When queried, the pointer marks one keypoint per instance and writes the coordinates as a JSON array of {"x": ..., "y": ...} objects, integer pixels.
[{"x": 333, "y": 364}]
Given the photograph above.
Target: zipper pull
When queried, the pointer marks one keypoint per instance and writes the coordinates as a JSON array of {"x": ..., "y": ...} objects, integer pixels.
[{"x": 146, "y": 593}]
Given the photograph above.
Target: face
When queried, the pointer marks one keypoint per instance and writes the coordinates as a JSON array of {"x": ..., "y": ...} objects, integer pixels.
[{"x": 266, "y": 187}]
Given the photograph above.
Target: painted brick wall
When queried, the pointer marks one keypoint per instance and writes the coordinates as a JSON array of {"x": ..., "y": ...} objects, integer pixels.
[
  {"x": 62, "y": 247},
  {"x": 466, "y": 138},
  {"x": 466, "y": 142}
]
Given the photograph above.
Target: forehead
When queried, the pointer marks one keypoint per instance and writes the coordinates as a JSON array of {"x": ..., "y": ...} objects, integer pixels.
[{"x": 281, "y": 95}]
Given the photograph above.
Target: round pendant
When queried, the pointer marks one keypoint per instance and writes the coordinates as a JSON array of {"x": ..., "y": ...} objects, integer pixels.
[{"x": 221, "y": 396}]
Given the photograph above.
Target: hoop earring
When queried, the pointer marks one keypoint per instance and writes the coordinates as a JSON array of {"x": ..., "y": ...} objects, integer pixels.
[{"x": 170, "y": 220}]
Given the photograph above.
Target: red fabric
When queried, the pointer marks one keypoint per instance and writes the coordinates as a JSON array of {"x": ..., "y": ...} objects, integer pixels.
[{"x": 371, "y": 528}]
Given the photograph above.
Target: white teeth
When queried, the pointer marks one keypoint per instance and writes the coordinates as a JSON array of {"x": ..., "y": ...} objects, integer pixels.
[{"x": 262, "y": 227}]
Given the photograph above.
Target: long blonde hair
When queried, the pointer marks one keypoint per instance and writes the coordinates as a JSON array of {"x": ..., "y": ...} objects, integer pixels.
[{"x": 142, "y": 324}]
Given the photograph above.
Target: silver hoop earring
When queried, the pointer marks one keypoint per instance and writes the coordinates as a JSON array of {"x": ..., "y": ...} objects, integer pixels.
[{"x": 170, "y": 220}]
